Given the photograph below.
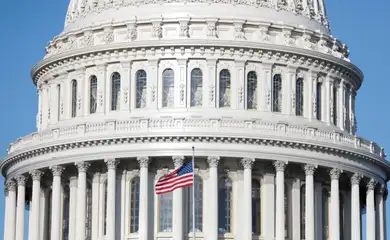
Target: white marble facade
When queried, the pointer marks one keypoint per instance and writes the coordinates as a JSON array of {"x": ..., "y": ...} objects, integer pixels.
[{"x": 261, "y": 90}]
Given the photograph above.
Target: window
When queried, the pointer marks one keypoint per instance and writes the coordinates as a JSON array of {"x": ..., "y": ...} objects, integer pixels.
[
  {"x": 74, "y": 98},
  {"x": 335, "y": 97},
  {"x": 65, "y": 213},
  {"x": 325, "y": 213},
  {"x": 166, "y": 212},
  {"x": 347, "y": 110},
  {"x": 196, "y": 87},
  {"x": 115, "y": 91},
  {"x": 198, "y": 205},
  {"x": 256, "y": 207},
  {"x": 303, "y": 211},
  {"x": 134, "y": 208},
  {"x": 141, "y": 81},
  {"x": 224, "y": 88},
  {"x": 277, "y": 93},
  {"x": 319, "y": 100},
  {"x": 93, "y": 94},
  {"x": 251, "y": 101},
  {"x": 299, "y": 97},
  {"x": 224, "y": 205},
  {"x": 168, "y": 88}
]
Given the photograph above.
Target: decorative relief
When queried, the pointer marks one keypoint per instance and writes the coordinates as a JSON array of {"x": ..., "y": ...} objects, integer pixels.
[
  {"x": 108, "y": 35},
  {"x": 309, "y": 169},
  {"x": 36, "y": 175},
  {"x": 182, "y": 93},
  {"x": 212, "y": 93},
  {"x": 101, "y": 98},
  {"x": 280, "y": 166},
  {"x": 335, "y": 174},
  {"x": 79, "y": 102},
  {"x": 211, "y": 29},
  {"x": 57, "y": 170},
  {"x": 286, "y": 33},
  {"x": 213, "y": 161},
  {"x": 82, "y": 166},
  {"x": 356, "y": 178},
  {"x": 247, "y": 163},
  {"x": 21, "y": 180},
  {"x": 111, "y": 163},
  {"x": 156, "y": 30},
  {"x": 153, "y": 91},
  {"x": 10, "y": 185},
  {"x": 241, "y": 94},
  {"x": 132, "y": 31},
  {"x": 88, "y": 39},
  {"x": 371, "y": 184},
  {"x": 306, "y": 38},
  {"x": 264, "y": 34},
  {"x": 143, "y": 161},
  {"x": 238, "y": 31},
  {"x": 126, "y": 94},
  {"x": 183, "y": 29}
]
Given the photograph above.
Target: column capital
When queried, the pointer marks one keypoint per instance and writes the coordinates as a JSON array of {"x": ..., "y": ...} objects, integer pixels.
[
  {"x": 111, "y": 163},
  {"x": 356, "y": 178},
  {"x": 178, "y": 161},
  {"x": 21, "y": 180},
  {"x": 10, "y": 185},
  {"x": 213, "y": 161},
  {"x": 57, "y": 170},
  {"x": 247, "y": 163},
  {"x": 143, "y": 162},
  {"x": 371, "y": 184},
  {"x": 82, "y": 166},
  {"x": 280, "y": 166},
  {"x": 309, "y": 169},
  {"x": 382, "y": 189},
  {"x": 335, "y": 173},
  {"x": 36, "y": 175}
]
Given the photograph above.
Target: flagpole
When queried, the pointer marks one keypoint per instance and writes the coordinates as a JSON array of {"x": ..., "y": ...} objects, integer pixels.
[{"x": 193, "y": 193}]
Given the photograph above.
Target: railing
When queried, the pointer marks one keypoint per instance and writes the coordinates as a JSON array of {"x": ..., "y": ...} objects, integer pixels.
[{"x": 199, "y": 127}]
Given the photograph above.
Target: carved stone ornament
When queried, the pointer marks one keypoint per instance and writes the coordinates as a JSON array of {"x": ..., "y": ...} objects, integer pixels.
[
  {"x": 371, "y": 184},
  {"x": 36, "y": 175},
  {"x": 132, "y": 31},
  {"x": 280, "y": 166},
  {"x": 382, "y": 189},
  {"x": 108, "y": 35},
  {"x": 239, "y": 31},
  {"x": 178, "y": 161},
  {"x": 10, "y": 185},
  {"x": 309, "y": 169},
  {"x": 82, "y": 166},
  {"x": 335, "y": 174},
  {"x": 57, "y": 170},
  {"x": 156, "y": 30},
  {"x": 213, "y": 161},
  {"x": 247, "y": 163},
  {"x": 111, "y": 163},
  {"x": 183, "y": 29},
  {"x": 211, "y": 29},
  {"x": 143, "y": 161},
  {"x": 356, "y": 178},
  {"x": 88, "y": 39}
]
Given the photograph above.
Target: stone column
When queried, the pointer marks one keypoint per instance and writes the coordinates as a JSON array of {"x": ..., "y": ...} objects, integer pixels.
[
  {"x": 81, "y": 199},
  {"x": 111, "y": 187},
  {"x": 213, "y": 203},
  {"x": 329, "y": 83},
  {"x": 280, "y": 209},
  {"x": 56, "y": 203},
  {"x": 73, "y": 200},
  {"x": 95, "y": 205},
  {"x": 268, "y": 206},
  {"x": 247, "y": 163},
  {"x": 20, "y": 208},
  {"x": 370, "y": 206},
  {"x": 36, "y": 192},
  {"x": 355, "y": 207},
  {"x": 334, "y": 223},
  {"x": 296, "y": 209},
  {"x": 380, "y": 214},
  {"x": 177, "y": 217},
  {"x": 10, "y": 210},
  {"x": 341, "y": 104},
  {"x": 143, "y": 197},
  {"x": 309, "y": 201}
]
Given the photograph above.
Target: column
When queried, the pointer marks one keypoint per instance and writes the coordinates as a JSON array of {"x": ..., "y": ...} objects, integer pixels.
[
  {"x": 45, "y": 106},
  {"x": 239, "y": 86},
  {"x": 334, "y": 225},
  {"x": 341, "y": 104},
  {"x": 10, "y": 210},
  {"x": 43, "y": 216},
  {"x": 310, "y": 100},
  {"x": 54, "y": 106},
  {"x": 36, "y": 192},
  {"x": 352, "y": 111},
  {"x": 247, "y": 163},
  {"x": 56, "y": 203},
  {"x": 81, "y": 205},
  {"x": 318, "y": 207},
  {"x": 177, "y": 217},
  {"x": 210, "y": 84},
  {"x": 111, "y": 187},
  {"x": 280, "y": 209},
  {"x": 102, "y": 97},
  {"x": 309, "y": 201},
  {"x": 72, "y": 207},
  {"x": 143, "y": 197},
  {"x": 126, "y": 87},
  {"x": 288, "y": 93},
  {"x": 355, "y": 207},
  {"x": 268, "y": 206},
  {"x": 213, "y": 197},
  {"x": 380, "y": 214},
  {"x": 19, "y": 229},
  {"x": 370, "y": 210},
  {"x": 329, "y": 100},
  {"x": 82, "y": 99}
]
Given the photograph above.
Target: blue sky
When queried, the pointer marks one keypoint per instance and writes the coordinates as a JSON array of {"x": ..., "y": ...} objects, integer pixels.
[{"x": 26, "y": 27}]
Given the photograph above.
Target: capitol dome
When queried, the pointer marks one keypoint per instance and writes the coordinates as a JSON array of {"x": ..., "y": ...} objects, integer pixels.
[{"x": 261, "y": 90}]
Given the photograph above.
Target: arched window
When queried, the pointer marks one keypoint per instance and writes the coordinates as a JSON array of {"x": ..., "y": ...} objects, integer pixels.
[
  {"x": 299, "y": 97},
  {"x": 105, "y": 209},
  {"x": 347, "y": 112},
  {"x": 251, "y": 100},
  {"x": 166, "y": 212},
  {"x": 88, "y": 211},
  {"x": 141, "y": 81},
  {"x": 325, "y": 213},
  {"x": 74, "y": 98},
  {"x": 224, "y": 88},
  {"x": 277, "y": 93},
  {"x": 134, "y": 208},
  {"x": 256, "y": 207},
  {"x": 168, "y": 88},
  {"x": 65, "y": 213},
  {"x": 319, "y": 100},
  {"x": 303, "y": 210},
  {"x": 335, "y": 98},
  {"x": 196, "y": 87},
  {"x": 93, "y": 94},
  {"x": 198, "y": 183},
  {"x": 115, "y": 91},
  {"x": 224, "y": 204}
]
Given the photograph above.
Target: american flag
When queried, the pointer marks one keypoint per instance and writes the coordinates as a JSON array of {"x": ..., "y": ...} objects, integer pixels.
[{"x": 179, "y": 178}]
